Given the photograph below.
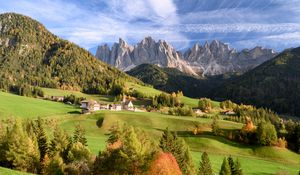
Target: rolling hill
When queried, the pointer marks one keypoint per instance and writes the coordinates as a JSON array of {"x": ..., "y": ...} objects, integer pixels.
[
  {"x": 30, "y": 54},
  {"x": 274, "y": 84}
]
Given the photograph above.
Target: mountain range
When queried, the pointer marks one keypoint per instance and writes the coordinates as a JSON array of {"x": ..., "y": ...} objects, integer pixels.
[{"x": 213, "y": 58}]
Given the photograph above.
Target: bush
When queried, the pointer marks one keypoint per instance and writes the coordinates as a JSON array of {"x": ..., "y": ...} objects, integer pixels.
[
  {"x": 100, "y": 122},
  {"x": 266, "y": 134}
]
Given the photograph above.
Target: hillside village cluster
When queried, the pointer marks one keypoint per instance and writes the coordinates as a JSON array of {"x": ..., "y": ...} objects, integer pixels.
[{"x": 89, "y": 106}]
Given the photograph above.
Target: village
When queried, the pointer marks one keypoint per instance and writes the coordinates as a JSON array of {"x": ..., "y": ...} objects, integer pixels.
[{"x": 90, "y": 106}]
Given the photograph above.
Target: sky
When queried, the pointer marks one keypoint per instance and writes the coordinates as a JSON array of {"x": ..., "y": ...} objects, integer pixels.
[{"x": 240, "y": 23}]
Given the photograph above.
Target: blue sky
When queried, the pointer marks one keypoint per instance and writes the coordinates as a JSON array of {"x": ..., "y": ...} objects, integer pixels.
[{"x": 241, "y": 23}]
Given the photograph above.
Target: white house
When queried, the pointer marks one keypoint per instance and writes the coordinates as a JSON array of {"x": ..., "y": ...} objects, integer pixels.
[{"x": 89, "y": 106}]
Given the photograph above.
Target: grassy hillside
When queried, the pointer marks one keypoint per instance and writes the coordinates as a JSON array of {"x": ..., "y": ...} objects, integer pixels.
[
  {"x": 25, "y": 107},
  {"x": 255, "y": 160}
]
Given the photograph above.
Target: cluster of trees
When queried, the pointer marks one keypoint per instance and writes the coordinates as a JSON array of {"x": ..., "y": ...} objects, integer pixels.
[
  {"x": 25, "y": 146},
  {"x": 293, "y": 135},
  {"x": 181, "y": 111},
  {"x": 230, "y": 167},
  {"x": 73, "y": 99},
  {"x": 205, "y": 104},
  {"x": 166, "y": 100},
  {"x": 27, "y": 90},
  {"x": 130, "y": 151},
  {"x": 227, "y": 105}
]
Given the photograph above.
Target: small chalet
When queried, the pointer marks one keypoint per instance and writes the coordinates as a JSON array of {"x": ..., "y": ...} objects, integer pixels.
[
  {"x": 88, "y": 106},
  {"x": 57, "y": 98},
  {"x": 128, "y": 105}
]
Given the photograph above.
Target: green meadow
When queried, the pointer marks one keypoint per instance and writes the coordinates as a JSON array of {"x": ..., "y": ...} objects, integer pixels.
[{"x": 25, "y": 107}]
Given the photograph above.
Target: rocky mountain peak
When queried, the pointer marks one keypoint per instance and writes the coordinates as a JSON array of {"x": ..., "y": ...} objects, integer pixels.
[{"x": 210, "y": 59}]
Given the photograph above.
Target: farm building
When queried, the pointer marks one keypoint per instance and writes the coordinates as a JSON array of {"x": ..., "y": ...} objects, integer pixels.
[{"x": 88, "y": 106}]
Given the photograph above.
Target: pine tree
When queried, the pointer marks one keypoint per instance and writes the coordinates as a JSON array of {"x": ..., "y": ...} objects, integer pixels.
[
  {"x": 215, "y": 126},
  {"x": 231, "y": 164},
  {"x": 225, "y": 168},
  {"x": 42, "y": 138},
  {"x": 60, "y": 144},
  {"x": 170, "y": 143},
  {"x": 238, "y": 168},
  {"x": 205, "y": 166},
  {"x": 79, "y": 135}
]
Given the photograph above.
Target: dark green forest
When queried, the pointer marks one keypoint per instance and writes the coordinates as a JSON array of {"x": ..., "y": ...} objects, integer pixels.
[{"x": 275, "y": 84}]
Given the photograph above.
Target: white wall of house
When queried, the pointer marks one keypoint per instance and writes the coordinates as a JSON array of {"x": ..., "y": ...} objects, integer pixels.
[{"x": 84, "y": 105}]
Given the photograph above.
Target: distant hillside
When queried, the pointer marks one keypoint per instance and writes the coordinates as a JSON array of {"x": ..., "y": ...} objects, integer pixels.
[
  {"x": 30, "y": 54},
  {"x": 173, "y": 80},
  {"x": 274, "y": 84}
]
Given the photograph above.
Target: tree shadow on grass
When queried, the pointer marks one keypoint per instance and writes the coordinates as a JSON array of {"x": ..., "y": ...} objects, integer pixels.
[{"x": 74, "y": 112}]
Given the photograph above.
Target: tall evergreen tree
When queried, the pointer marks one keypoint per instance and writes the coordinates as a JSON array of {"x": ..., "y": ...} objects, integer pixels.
[
  {"x": 205, "y": 166},
  {"x": 225, "y": 168},
  {"x": 79, "y": 135},
  {"x": 21, "y": 150},
  {"x": 42, "y": 138},
  {"x": 231, "y": 164},
  {"x": 169, "y": 142},
  {"x": 60, "y": 144},
  {"x": 238, "y": 168}
]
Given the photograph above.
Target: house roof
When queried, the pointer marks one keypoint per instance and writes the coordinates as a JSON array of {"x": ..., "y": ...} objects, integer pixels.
[
  {"x": 89, "y": 101},
  {"x": 127, "y": 102}
]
